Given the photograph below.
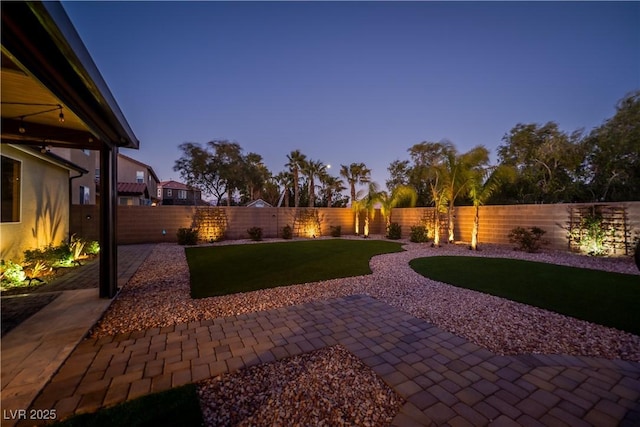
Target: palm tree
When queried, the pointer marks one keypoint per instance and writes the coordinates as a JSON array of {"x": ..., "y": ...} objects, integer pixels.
[
  {"x": 482, "y": 184},
  {"x": 355, "y": 173},
  {"x": 429, "y": 159},
  {"x": 285, "y": 179},
  {"x": 330, "y": 186},
  {"x": 356, "y": 207},
  {"x": 402, "y": 196},
  {"x": 368, "y": 203},
  {"x": 458, "y": 170},
  {"x": 312, "y": 169},
  {"x": 296, "y": 160},
  {"x": 438, "y": 193}
]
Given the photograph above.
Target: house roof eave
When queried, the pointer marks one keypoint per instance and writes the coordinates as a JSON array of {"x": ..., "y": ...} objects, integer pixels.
[{"x": 40, "y": 37}]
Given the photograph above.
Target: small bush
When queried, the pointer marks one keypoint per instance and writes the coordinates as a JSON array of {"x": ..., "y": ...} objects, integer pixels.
[
  {"x": 52, "y": 256},
  {"x": 187, "y": 236},
  {"x": 11, "y": 273},
  {"x": 287, "y": 232},
  {"x": 92, "y": 247},
  {"x": 419, "y": 234},
  {"x": 529, "y": 240},
  {"x": 394, "y": 231},
  {"x": 335, "y": 230},
  {"x": 255, "y": 233}
]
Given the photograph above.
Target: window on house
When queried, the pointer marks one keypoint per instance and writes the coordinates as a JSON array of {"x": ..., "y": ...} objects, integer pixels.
[
  {"x": 11, "y": 173},
  {"x": 140, "y": 177},
  {"x": 87, "y": 152},
  {"x": 169, "y": 193},
  {"x": 182, "y": 194},
  {"x": 85, "y": 194},
  {"x": 159, "y": 193},
  {"x": 97, "y": 173}
]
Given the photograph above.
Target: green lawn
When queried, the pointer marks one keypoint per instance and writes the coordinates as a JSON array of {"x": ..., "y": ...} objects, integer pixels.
[
  {"x": 610, "y": 299},
  {"x": 221, "y": 270},
  {"x": 175, "y": 407}
]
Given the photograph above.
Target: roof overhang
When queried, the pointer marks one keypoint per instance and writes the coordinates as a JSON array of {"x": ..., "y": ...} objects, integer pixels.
[{"x": 44, "y": 62}]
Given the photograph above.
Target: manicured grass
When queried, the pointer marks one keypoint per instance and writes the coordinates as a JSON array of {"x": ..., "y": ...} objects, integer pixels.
[
  {"x": 175, "y": 407},
  {"x": 610, "y": 299},
  {"x": 221, "y": 270}
]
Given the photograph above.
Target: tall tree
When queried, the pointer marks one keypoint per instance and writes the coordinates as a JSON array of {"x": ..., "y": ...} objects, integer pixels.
[
  {"x": 613, "y": 162},
  {"x": 368, "y": 203},
  {"x": 429, "y": 174},
  {"x": 399, "y": 174},
  {"x": 312, "y": 169},
  {"x": 547, "y": 162},
  {"x": 402, "y": 196},
  {"x": 255, "y": 176},
  {"x": 331, "y": 186},
  {"x": 196, "y": 170},
  {"x": 295, "y": 163},
  {"x": 482, "y": 184},
  {"x": 458, "y": 169},
  {"x": 229, "y": 160},
  {"x": 285, "y": 179},
  {"x": 355, "y": 173}
]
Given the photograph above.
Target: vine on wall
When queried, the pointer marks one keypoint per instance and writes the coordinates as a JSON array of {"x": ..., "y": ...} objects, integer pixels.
[
  {"x": 599, "y": 230},
  {"x": 211, "y": 223}
]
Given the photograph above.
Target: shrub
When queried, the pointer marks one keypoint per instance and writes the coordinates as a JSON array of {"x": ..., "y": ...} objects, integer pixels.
[
  {"x": 287, "y": 232},
  {"x": 394, "y": 231},
  {"x": 529, "y": 240},
  {"x": 187, "y": 236},
  {"x": 419, "y": 234},
  {"x": 255, "y": 233},
  {"x": 92, "y": 247},
  {"x": 335, "y": 230},
  {"x": 52, "y": 256},
  {"x": 11, "y": 273}
]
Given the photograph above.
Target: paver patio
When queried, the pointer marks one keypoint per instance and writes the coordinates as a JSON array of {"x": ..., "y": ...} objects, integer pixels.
[
  {"x": 444, "y": 378},
  {"x": 35, "y": 349}
]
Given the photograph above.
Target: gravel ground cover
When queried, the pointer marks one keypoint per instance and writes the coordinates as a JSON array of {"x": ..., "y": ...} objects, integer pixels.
[
  {"x": 309, "y": 391},
  {"x": 158, "y": 295}
]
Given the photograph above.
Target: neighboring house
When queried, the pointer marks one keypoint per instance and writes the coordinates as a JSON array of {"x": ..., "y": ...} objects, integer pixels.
[
  {"x": 83, "y": 188},
  {"x": 259, "y": 203},
  {"x": 132, "y": 171},
  {"x": 35, "y": 199},
  {"x": 53, "y": 95},
  {"x": 177, "y": 193}
]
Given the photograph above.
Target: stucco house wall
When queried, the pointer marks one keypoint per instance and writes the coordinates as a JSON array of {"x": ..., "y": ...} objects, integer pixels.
[
  {"x": 87, "y": 159},
  {"x": 44, "y": 206}
]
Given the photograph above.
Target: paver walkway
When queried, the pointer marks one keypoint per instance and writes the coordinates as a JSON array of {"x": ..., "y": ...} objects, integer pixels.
[
  {"x": 35, "y": 349},
  {"x": 444, "y": 378}
]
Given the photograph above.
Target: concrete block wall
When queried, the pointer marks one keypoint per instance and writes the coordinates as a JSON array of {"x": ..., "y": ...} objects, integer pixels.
[
  {"x": 145, "y": 224},
  {"x": 497, "y": 221}
]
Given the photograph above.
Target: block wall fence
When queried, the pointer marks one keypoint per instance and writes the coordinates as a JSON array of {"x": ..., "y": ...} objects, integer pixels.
[{"x": 145, "y": 224}]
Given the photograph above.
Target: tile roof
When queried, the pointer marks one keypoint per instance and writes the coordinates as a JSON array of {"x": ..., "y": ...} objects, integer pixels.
[{"x": 131, "y": 188}]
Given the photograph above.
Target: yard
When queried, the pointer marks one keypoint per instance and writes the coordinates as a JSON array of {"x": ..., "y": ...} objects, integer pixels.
[
  {"x": 606, "y": 298},
  {"x": 221, "y": 270}
]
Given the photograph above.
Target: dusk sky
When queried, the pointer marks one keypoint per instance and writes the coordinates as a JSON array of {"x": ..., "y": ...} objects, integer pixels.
[{"x": 356, "y": 81}]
